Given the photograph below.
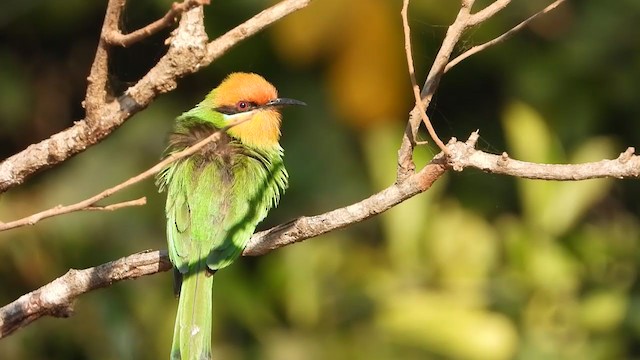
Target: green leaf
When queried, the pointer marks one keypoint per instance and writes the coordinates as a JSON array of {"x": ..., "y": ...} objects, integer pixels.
[{"x": 529, "y": 139}]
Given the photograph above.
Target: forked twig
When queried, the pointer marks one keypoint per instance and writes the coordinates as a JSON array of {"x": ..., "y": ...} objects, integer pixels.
[
  {"x": 414, "y": 83},
  {"x": 476, "y": 49},
  {"x": 115, "y": 36}
]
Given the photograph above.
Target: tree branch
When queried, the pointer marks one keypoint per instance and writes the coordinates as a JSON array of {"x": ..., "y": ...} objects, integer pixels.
[
  {"x": 89, "y": 203},
  {"x": 412, "y": 76},
  {"x": 464, "y": 20},
  {"x": 476, "y": 49},
  {"x": 57, "y": 297},
  {"x": 188, "y": 52},
  {"x": 114, "y": 36},
  {"x": 464, "y": 155},
  {"x": 307, "y": 227},
  {"x": 190, "y": 48},
  {"x": 406, "y": 166},
  {"x": 486, "y": 13}
]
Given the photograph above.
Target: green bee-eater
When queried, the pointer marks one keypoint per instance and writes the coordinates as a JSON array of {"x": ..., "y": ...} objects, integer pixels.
[{"x": 216, "y": 197}]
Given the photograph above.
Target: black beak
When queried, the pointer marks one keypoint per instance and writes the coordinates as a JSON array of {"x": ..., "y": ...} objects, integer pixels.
[{"x": 284, "y": 102}]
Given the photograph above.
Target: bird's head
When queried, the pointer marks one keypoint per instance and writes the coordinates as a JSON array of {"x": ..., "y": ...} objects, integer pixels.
[{"x": 249, "y": 97}]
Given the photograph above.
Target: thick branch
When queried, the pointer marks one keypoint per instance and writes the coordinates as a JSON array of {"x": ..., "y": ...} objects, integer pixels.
[
  {"x": 189, "y": 52},
  {"x": 57, "y": 298},
  {"x": 307, "y": 227},
  {"x": 626, "y": 166},
  {"x": 115, "y": 36}
]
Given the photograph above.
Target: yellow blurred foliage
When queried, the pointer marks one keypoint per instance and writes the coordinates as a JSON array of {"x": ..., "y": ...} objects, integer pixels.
[
  {"x": 440, "y": 323},
  {"x": 361, "y": 43}
]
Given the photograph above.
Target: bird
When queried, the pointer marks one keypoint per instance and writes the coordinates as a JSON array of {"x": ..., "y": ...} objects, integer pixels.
[{"x": 217, "y": 196}]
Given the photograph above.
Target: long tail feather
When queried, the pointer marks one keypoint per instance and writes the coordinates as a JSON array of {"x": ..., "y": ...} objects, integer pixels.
[{"x": 192, "y": 332}]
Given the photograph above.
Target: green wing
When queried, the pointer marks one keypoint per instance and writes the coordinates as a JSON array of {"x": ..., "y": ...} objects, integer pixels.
[{"x": 213, "y": 208}]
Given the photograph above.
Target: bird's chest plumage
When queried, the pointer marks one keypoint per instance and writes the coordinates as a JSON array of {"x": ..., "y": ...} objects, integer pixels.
[{"x": 217, "y": 196}]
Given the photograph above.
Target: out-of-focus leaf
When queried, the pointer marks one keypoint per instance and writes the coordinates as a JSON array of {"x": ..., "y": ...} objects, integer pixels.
[
  {"x": 529, "y": 139},
  {"x": 551, "y": 268},
  {"x": 573, "y": 199},
  {"x": 312, "y": 33},
  {"x": 404, "y": 225},
  {"x": 369, "y": 85},
  {"x": 440, "y": 323},
  {"x": 603, "y": 310},
  {"x": 306, "y": 268},
  {"x": 463, "y": 248},
  {"x": 551, "y": 329}
]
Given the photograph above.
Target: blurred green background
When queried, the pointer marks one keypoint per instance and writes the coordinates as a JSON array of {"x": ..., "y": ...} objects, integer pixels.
[{"x": 479, "y": 267}]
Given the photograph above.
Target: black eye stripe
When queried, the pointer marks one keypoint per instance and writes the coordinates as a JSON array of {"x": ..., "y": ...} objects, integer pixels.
[
  {"x": 231, "y": 109},
  {"x": 227, "y": 110}
]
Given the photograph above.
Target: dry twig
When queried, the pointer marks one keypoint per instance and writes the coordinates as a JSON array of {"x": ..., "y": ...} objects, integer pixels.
[
  {"x": 476, "y": 49},
  {"x": 412, "y": 75},
  {"x": 406, "y": 166},
  {"x": 464, "y": 20},
  {"x": 57, "y": 297},
  {"x": 114, "y": 36},
  {"x": 89, "y": 204},
  {"x": 188, "y": 52}
]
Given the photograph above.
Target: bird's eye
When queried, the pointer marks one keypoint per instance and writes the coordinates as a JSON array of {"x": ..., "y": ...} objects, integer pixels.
[{"x": 242, "y": 105}]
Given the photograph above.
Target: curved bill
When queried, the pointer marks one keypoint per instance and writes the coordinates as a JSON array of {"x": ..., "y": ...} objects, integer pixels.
[{"x": 284, "y": 102}]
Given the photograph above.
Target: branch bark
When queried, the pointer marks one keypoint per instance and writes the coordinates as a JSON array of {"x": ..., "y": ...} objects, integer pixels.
[
  {"x": 188, "y": 52},
  {"x": 189, "y": 48},
  {"x": 477, "y": 48},
  {"x": 57, "y": 298},
  {"x": 115, "y": 36},
  {"x": 441, "y": 64},
  {"x": 406, "y": 166},
  {"x": 89, "y": 203}
]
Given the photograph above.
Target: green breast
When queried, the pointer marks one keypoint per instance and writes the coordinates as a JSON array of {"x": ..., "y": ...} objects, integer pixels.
[{"x": 216, "y": 198}]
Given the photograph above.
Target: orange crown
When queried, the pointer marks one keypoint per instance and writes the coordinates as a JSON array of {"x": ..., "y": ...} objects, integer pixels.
[{"x": 263, "y": 129}]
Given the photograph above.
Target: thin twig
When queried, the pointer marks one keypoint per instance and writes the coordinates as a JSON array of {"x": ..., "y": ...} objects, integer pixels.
[
  {"x": 476, "y": 49},
  {"x": 406, "y": 166},
  {"x": 137, "y": 202},
  {"x": 412, "y": 75},
  {"x": 269, "y": 16},
  {"x": 89, "y": 203},
  {"x": 115, "y": 36},
  {"x": 486, "y": 13}
]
